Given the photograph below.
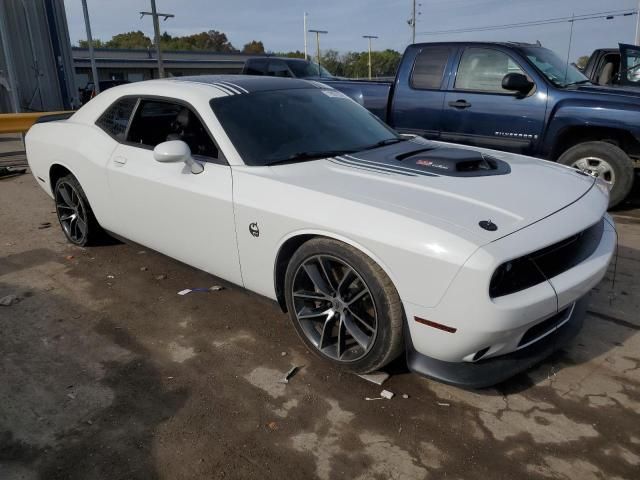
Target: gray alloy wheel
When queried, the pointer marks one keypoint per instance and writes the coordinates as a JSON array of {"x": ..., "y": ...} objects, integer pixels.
[
  {"x": 334, "y": 308},
  {"x": 597, "y": 167},
  {"x": 72, "y": 212}
]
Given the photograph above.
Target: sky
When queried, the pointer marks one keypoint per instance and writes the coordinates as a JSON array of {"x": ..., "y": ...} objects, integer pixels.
[{"x": 279, "y": 23}]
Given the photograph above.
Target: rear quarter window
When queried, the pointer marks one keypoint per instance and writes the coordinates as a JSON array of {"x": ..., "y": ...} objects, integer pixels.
[
  {"x": 429, "y": 66},
  {"x": 115, "y": 119}
]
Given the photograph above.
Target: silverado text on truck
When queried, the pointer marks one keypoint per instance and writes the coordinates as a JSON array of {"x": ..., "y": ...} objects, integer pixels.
[{"x": 508, "y": 96}]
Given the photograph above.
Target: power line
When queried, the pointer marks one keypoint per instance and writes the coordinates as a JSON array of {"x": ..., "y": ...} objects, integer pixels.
[{"x": 590, "y": 16}]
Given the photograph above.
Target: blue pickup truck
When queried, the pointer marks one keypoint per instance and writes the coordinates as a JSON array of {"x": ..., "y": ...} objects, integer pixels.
[{"x": 515, "y": 97}]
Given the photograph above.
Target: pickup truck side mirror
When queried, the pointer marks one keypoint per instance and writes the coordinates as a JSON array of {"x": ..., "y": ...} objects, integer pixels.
[
  {"x": 175, "y": 151},
  {"x": 517, "y": 82}
]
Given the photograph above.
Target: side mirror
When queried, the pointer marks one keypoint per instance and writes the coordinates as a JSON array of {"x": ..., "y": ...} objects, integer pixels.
[
  {"x": 517, "y": 82},
  {"x": 175, "y": 151}
]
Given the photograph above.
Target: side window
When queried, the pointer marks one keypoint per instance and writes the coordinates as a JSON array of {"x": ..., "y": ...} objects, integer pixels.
[
  {"x": 277, "y": 68},
  {"x": 157, "y": 121},
  {"x": 483, "y": 69},
  {"x": 115, "y": 119},
  {"x": 429, "y": 68},
  {"x": 256, "y": 66}
]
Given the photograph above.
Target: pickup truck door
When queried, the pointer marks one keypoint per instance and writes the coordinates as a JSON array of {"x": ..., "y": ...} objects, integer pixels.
[
  {"x": 630, "y": 65},
  {"x": 478, "y": 111},
  {"x": 166, "y": 207},
  {"x": 419, "y": 96}
]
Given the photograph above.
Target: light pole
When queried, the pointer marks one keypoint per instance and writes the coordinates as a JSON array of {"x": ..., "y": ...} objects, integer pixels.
[
  {"x": 638, "y": 24},
  {"x": 305, "y": 35},
  {"x": 156, "y": 29},
  {"x": 318, "y": 32},
  {"x": 92, "y": 57},
  {"x": 369, "y": 37}
]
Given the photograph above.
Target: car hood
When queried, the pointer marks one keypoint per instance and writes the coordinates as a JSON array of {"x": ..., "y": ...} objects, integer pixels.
[
  {"x": 628, "y": 93},
  {"x": 445, "y": 184}
]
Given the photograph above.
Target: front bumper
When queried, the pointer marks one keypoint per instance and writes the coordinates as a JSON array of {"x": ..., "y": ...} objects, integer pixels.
[{"x": 489, "y": 372}]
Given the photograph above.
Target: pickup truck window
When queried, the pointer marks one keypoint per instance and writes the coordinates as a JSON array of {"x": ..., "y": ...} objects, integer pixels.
[
  {"x": 277, "y": 68},
  {"x": 429, "y": 68},
  {"x": 553, "y": 67},
  {"x": 633, "y": 66},
  {"x": 256, "y": 66},
  {"x": 483, "y": 69}
]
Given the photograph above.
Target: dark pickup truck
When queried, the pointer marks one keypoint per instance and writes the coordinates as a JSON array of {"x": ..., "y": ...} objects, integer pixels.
[{"x": 510, "y": 96}]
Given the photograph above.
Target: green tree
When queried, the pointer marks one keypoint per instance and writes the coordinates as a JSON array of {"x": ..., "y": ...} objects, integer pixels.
[
  {"x": 582, "y": 61},
  {"x": 254, "y": 48},
  {"x": 129, "y": 40},
  {"x": 332, "y": 61},
  {"x": 97, "y": 43},
  {"x": 296, "y": 54}
]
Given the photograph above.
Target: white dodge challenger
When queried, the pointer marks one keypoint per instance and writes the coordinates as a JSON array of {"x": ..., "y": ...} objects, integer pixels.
[{"x": 474, "y": 262}]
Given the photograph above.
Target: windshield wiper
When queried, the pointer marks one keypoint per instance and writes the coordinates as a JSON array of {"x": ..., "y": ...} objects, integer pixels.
[
  {"x": 311, "y": 155},
  {"x": 385, "y": 142}
]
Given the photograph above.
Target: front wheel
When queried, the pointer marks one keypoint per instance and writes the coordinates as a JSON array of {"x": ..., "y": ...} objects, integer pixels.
[
  {"x": 606, "y": 161},
  {"x": 343, "y": 306}
]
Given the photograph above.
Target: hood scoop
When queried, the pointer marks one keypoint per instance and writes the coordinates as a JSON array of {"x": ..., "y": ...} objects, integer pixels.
[{"x": 455, "y": 162}]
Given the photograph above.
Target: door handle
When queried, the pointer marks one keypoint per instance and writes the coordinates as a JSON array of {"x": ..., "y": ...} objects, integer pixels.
[
  {"x": 119, "y": 160},
  {"x": 460, "y": 104}
]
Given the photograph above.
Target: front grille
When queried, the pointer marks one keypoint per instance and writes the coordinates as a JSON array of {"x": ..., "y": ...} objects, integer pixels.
[
  {"x": 541, "y": 265},
  {"x": 544, "y": 327}
]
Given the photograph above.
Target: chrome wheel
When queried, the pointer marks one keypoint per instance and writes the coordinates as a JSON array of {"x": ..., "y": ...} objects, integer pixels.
[
  {"x": 597, "y": 167},
  {"x": 334, "y": 308},
  {"x": 71, "y": 212}
]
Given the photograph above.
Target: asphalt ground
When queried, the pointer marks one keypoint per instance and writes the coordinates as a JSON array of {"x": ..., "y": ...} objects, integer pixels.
[{"x": 107, "y": 373}]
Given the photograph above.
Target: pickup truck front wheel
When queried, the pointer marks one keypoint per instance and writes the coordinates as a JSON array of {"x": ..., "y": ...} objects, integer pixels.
[{"x": 606, "y": 161}]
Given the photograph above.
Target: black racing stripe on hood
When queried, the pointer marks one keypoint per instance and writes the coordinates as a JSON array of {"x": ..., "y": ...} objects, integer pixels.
[{"x": 368, "y": 167}]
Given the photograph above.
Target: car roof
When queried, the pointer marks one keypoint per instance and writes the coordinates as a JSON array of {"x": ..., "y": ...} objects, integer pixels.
[
  {"x": 235, "y": 84},
  {"x": 462, "y": 43}
]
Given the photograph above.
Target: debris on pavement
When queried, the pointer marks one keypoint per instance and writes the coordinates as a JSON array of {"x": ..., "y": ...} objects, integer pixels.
[
  {"x": 143, "y": 269},
  {"x": 405, "y": 396},
  {"x": 142, "y": 252},
  {"x": 374, "y": 398},
  {"x": 387, "y": 394},
  {"x": 443, "y": 404},
  {"x": 215, "y": 288},
  {"x": 69, "y": 257},
  {"x": 111, "y": 276},
  {"x": 44, "y": 225},
  {"x": 375, "y": 377},
  {"x": 9, "y": 300},
  {"x": 287, "y": 376},
  {"x": 272, "y": 425},
  {"x": 161, "y": 277},
  {"x": 283, "y": 354}
]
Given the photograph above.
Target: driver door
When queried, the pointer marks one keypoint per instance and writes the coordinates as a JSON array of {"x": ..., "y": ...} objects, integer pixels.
[
  {"x": 164, "y": 206},
  {"x": 478, "y": 111}
]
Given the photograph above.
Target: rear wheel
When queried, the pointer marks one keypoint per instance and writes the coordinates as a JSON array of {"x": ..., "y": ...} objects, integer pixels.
[
  {"x": 74, "y": 212},
  {"x": 343, "y": 306},
  {"x": 606, "y": 161}
]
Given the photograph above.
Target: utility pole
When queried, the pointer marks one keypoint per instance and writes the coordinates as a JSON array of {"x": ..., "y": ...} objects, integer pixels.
[
  {"x": 305, "y": 36},
  {"x": 638, "y": 24},
  {"x": 369, "y": 37},
  {"x": 92, "y": 57},
  {"x": 318, "y": 32},
  {"x": 156, "y": 29},
  {"x": 413, "y": 23}
]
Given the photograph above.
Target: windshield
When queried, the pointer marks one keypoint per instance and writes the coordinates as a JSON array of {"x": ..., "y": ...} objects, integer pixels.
[
  {"x": 303, "y": 69},
  {"x": 553, "y": 67},
  {"x": 298, "y": 124}
]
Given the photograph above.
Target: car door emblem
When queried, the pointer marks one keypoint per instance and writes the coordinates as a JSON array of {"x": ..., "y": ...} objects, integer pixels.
[{"x": 254, "y": 230}]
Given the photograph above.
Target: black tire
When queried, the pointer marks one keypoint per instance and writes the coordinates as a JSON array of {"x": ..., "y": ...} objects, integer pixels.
[
  {"x": 619, "y": 161},
  {"x": 78, "y": 205},
  {"x": 387, "y": 341}
]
